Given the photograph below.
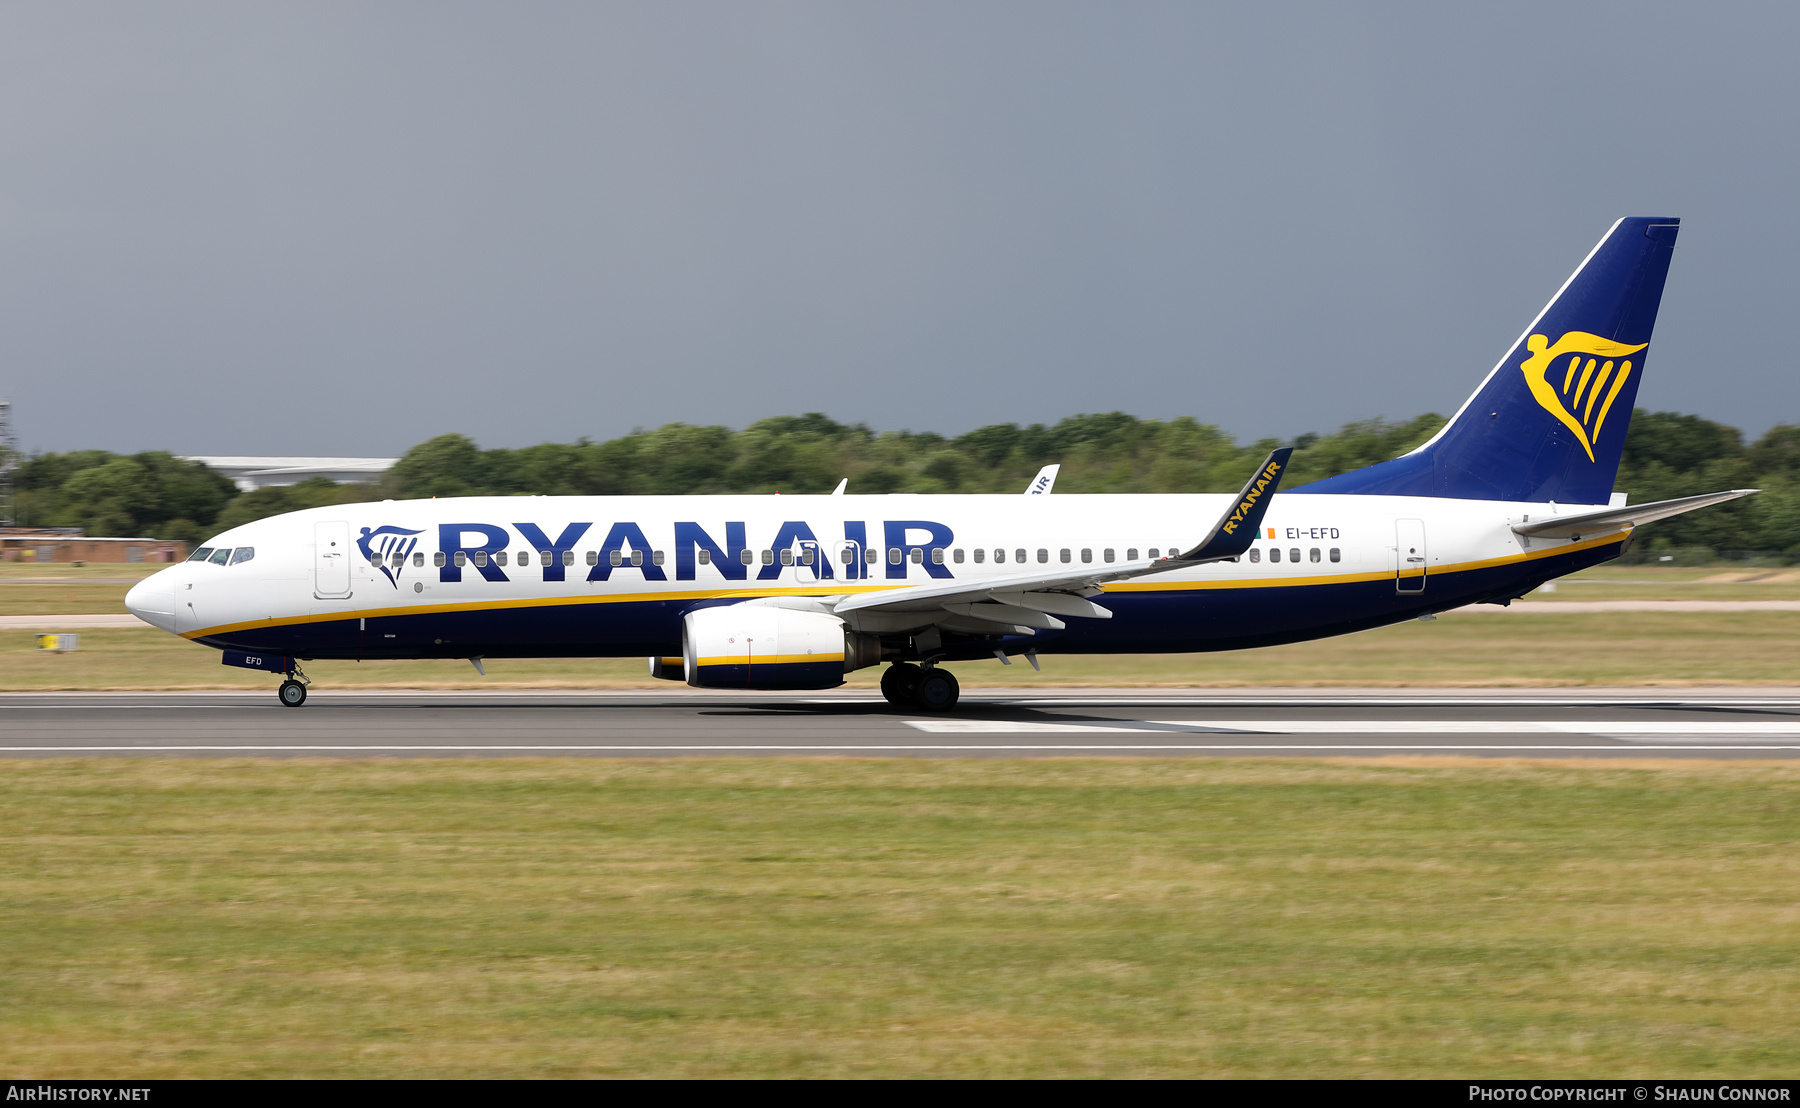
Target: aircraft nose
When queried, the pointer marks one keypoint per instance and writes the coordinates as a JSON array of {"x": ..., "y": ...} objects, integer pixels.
[{"x": 153, "y": 600}]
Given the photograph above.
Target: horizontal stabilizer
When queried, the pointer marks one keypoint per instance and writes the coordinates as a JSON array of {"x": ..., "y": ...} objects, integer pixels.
[{"x": 1606, "y": 519}]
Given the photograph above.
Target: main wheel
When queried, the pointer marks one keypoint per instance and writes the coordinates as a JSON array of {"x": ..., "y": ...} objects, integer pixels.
[
  {"x": 938, "y": 691},
  {"x": 292, "y": 693},
  {"x": 900, "y": 684}
]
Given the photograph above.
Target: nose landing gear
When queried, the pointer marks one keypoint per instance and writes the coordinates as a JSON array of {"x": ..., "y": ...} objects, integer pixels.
[
  {"x": 923, "y": 688},
  {"x": 293, "y": 690}
]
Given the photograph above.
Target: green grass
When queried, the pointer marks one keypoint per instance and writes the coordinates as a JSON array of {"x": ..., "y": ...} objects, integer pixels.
[
  {"x": 920, "y": 918},
  {"x": 1501, "y": 649}
]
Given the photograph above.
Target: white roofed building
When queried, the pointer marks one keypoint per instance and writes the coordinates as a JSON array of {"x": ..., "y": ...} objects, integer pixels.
[{"x": 250, "y": 474}]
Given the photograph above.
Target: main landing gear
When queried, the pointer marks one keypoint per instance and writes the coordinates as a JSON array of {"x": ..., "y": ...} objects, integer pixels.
[
  {"x": 293, "y": 690},
  {"x": 925, "y": 688}
]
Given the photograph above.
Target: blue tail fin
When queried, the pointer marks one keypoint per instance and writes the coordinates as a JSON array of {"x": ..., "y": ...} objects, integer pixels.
[{"x": 1549, "y": 422}]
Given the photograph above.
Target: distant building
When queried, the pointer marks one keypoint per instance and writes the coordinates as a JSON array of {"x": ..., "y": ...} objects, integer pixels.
[
  {"x": 250, "y": 474},
  {"x": 68, "y": 544}
]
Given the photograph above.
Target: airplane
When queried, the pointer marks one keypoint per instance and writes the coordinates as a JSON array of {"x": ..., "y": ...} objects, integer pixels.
[{"x": 793, "y": 592}]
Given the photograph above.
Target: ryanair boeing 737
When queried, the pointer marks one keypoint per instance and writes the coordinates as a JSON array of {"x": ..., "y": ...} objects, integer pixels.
[{"x": 793, "y": 592}]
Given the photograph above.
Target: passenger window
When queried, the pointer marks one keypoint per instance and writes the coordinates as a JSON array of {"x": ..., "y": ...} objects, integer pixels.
[
  {"x": 481, "y": 558},
  {"x": 937, "y": 555},
  {"x": 1294, "y": 554},
  {"x": 917, "y": 555},
  {"x": 1336, "y": 554},
  {"x": 524, "y": 557},
  {"x": 871, "y": 555},
  {"x": 849, "y": 555},
  {"x": 957, "y": 556},
  {"x": 703, "y": 556},
  {"x": 462, "y": 559},
  {"x": 1107, "y": 554},
  {"x": 545, "y": 557},
  {"x": 980, "y": 555},
  {"x": 894, "y": 555},
  {"x": 1313, "y": 554},
  {"x": 614, "y": 558},
  {"x": 201, "y": 554},
  {"x": 1274, "y": 553},
  {"x": 1043, "y": 555},
  {"x": 747, "y": 555},
  {"x": 500, "y": 559},
  {"x": 1255, "y": 554},
  {"x": 999, "y": 555},
  {"x": 418, "y": 560},
  {"x": 245, "y": 553},
  {"x": 593, "y": 557},
  {"x": 1131, "y": 554},
  {"x": 568, "y": 557},
  {"x": 806, "y": 556},
  {"x": 656, "y": 557},
  {"x": 437, "y": 559},
  {"x": 768, "y": 557},
  {"x": 1086, "y": 554},
  {"x": 1063, "y": 554},
  {"x": 787, "y": 557},
  {"x": 1154, "y": 552},
  {"x": 1019, "y": 555},
  {"x": 637, "y": 557},
  {"x": 220, "y": 556}
]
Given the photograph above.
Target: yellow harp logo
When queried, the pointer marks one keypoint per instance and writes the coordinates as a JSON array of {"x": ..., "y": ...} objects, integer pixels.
[{"x": 1568, "y": 378}]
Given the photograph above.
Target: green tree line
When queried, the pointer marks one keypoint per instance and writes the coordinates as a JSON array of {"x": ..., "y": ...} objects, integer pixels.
[{"x": 1666, "y": 454}]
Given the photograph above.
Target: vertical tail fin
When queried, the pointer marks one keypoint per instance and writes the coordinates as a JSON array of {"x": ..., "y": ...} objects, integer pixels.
[{"x": 1549, "y": 421}]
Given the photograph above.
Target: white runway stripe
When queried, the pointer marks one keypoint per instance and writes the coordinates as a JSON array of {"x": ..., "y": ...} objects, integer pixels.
[
  {"x": 858, "y": 748},
  {"x": 1633, "y": 729}
]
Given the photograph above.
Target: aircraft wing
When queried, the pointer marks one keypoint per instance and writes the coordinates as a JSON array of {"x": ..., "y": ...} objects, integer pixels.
[
  {"x": 1607, "y": 519},
  {"x": 1018, "y": 603}
]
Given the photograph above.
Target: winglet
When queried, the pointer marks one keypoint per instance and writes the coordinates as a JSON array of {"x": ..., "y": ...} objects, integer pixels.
[
  {"x": 839, "y": 491},
  {"x": 1044, "y": 481},
  {"x": 1239, "y": 526}
]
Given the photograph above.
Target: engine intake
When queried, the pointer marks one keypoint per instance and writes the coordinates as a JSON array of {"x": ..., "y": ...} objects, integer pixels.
[{"x": 749, "y": 646}]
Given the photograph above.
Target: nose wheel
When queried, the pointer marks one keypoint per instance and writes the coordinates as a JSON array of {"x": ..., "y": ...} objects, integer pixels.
[{"x": 293, "y": 690}]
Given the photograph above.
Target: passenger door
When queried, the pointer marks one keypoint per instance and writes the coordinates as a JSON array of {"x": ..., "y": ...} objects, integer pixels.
[
  {"x": 1409, "y": 551},
  {"x": 331, "y": 560}
]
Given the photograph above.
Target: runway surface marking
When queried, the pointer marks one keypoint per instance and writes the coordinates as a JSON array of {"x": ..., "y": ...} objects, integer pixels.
[
  {"x": 1638, "y": 730},
  {"x": 816, "y": 748}
]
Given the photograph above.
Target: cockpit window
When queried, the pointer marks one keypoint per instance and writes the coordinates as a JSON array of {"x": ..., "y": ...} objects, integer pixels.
[
  {"x": 220, "y": 556},
  {"x": 201, "y": 554},
  {"x": 242, "y": 554}
]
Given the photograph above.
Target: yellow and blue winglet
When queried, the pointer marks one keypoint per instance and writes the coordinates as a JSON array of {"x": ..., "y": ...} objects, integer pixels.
[{"x": 1242, "y": 522}]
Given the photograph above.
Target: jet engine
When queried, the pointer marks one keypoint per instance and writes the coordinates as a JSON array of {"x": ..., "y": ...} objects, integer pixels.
[{"x": 752, "y": 646}]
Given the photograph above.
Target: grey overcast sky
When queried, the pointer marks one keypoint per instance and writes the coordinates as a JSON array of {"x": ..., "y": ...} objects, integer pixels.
[{"x": 319, "y": 228}]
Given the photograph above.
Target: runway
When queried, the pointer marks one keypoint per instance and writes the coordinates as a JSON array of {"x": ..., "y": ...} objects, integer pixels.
[{"x": 988, "y": 723}]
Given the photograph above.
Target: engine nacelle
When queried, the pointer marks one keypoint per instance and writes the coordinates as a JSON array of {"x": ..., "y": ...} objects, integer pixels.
[
  {"x": 751, "y": 646},
  {"x": 667, "y": 669}
]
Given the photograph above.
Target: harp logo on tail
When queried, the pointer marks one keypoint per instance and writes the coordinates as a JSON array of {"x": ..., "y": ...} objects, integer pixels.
[{"x": 1577, "y": 378}]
